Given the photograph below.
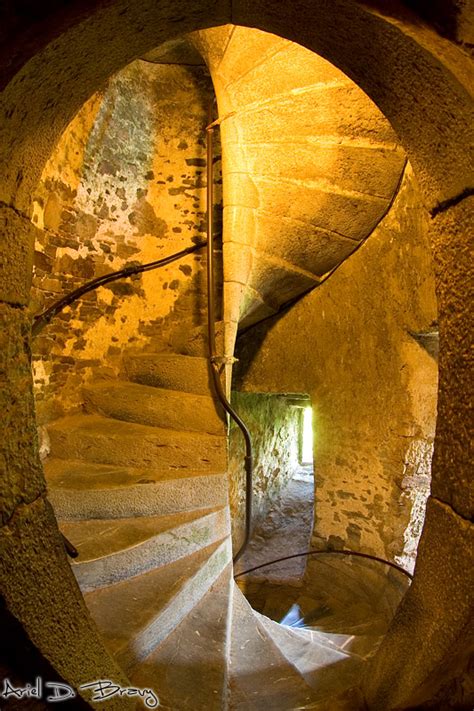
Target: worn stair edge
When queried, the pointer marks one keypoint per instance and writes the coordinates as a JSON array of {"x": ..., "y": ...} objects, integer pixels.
[
  {"x": 156, "y": 407},
  {"x": 155, "y": 498},
  {"x": 260, "y": 675},
  {"x": 105, "y": 441},
  {"x": 189, "y": 374},
  {"x": 184, "y": 596},
  {"x": 358, "y": 641},
  {"x": 155, "y": 551},
  {"x": 197, "y": 680}
]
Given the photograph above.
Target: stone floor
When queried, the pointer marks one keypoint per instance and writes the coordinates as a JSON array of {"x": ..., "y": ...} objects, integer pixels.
[
  {"x": 350, "y": 598},
  {"x": 286, "y": 530}
]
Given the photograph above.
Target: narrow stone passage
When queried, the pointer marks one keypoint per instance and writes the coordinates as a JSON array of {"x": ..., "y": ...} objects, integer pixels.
[{"x": 284, "y": 531}]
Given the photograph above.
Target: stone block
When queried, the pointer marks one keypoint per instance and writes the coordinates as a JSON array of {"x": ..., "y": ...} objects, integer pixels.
[
  {"x": 436, "y": 612},
  {"x": 21, "y": 478},
  {"x": 277, "y": 281},
  {"x": 242, "y": 55},
  {"x": 17, "y": 241},
  {"x": 357, "y": 166},
  {"x": 452, "y": 461}
]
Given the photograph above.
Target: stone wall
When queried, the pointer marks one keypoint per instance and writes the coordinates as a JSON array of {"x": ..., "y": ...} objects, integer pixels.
[
  {"x": 44, "y": 82},
  {"x": 350, "y": 344},
  {"x": 273, "y": 425},
  {"x": 125, "y": 184}
]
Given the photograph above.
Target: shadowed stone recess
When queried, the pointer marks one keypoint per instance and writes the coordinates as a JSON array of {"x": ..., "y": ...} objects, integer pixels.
[{"x": 17, "y": 238}]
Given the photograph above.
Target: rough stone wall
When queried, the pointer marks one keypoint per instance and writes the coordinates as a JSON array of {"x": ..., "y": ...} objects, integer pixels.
[
  {"x": 421, "y": 82},
  {"x": 373, "y": 387},
  {"x": 125, "y": 184},
  {"x": 273, "y": 424}
]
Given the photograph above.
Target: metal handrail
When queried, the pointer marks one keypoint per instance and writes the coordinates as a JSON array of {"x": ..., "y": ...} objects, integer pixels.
[
  {"x": 42, "y": 319},
  {"x": 343, "y": 551}
]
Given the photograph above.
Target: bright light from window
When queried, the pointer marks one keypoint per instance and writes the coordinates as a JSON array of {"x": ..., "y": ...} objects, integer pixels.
[{"x": 307, "y": 445}]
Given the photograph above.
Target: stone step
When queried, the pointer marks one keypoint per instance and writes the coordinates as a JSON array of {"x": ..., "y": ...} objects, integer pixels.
[
  {"x": 352, "y": 215},
  {"x": 261, "y": 678},
  {"x": 197, "y": 679},
  {"x": 326, "y": 668},
  {"x": 83, "y": 490},
  {"x": 331, "y": 643},
  {"x": 114, "y": 550},
  {"x": 105, "y": 441},
  {"x": 158, "y": 407},
  {"x": 175, "y": 372},
  {"x": 136, "y": 615}
]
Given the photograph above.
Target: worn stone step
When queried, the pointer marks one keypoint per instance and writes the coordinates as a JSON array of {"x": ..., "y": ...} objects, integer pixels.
[
  {"x": 197, "y": 345},
  {"x": 374, "y": 169},
  {"x": 82, "y": 490},
  {"x": 326, "y": 668},
  {"x": 158, "y": 407},
  {"x": 106, "y": 441},
  {"x": 189, "y": 669},
  {"x": 261, "y": 678},
  {"x": 268, "y": 122},
  {"x": 136, "y": 615},
  {"x": 175, "y": 372},
  {"x": 114, "y": 550},
  {"x": 352, "y": 215}
]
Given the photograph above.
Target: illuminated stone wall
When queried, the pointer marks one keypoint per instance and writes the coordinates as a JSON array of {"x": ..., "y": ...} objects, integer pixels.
[
  {"x": 372, "y": 384},
  {"x": 125, "y": 184}
]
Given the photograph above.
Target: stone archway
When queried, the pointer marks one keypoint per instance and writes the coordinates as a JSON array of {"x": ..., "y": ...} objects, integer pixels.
[{"x": 420, "y": 82}]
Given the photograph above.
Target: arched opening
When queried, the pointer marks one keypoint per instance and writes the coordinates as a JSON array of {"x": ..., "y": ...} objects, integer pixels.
[{"x": 441, "y": 182}]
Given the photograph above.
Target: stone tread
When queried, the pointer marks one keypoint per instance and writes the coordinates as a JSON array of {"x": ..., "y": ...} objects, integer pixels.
[
  {"x": 96, "y": 538},
  {"x": 79, "y": 474},
  {"x": 260, "y": 676},
  {"x": 157, "y": 407},
  {"x": 189, "y": 669},
  {"x": 114, "y": 550},
  {"x": 323, "y": 665},
  {"x": 177, "y": 372},
  {"x": 83, "y": 490},
  {"x": 106, "y": 441},
  {"x": 329, "y": 644},
  {"x": 135, "y": 616}
]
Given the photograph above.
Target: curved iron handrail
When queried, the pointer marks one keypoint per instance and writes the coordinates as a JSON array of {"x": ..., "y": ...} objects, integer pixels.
[
  {"x": 343, "y": 551},
  {"x": 42, "y": 319}
]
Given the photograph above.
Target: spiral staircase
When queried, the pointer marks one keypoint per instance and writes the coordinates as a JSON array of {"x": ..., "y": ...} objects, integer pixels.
[
  {"x": 138, "y": 483},
  {"x": 138, "y": 479}
]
